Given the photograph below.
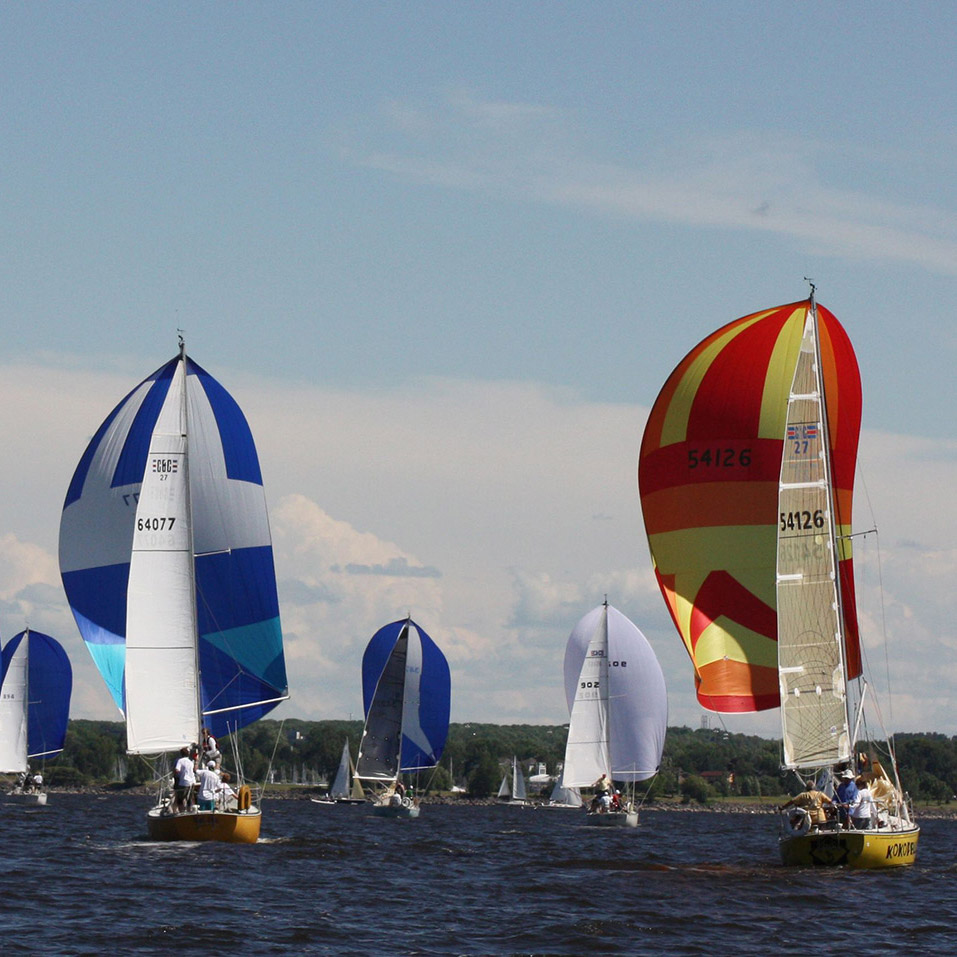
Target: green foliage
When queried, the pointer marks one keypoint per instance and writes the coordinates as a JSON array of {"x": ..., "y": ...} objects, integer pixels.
[
  {"x": 735, "y": 764},
  {"x": 695, "y": 788}
]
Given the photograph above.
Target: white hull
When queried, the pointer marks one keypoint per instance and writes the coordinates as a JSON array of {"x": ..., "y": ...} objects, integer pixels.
[
  {"x": 612, "y": 819},
  {"x": 27, "y": 798}
]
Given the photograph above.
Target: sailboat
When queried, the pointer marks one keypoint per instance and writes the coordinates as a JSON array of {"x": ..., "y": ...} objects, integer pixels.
[
  {"x": 346, "y": 788},
  {"x": 35, "y": 687},
  {"x": 746, "y": 474},
  {"x": 167, "y": 563},
  {"x": 512, "y": 789},
  {"x": 564, "y": 797},
  {"x": 616, "y": 695},
  {"x": 406, "y": 694}
]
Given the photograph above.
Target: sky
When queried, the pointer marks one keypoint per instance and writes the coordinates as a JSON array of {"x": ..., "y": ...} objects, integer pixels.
[{"x": 444, "y": 256}]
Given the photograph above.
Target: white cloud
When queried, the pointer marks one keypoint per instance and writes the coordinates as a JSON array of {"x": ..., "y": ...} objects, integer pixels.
[
  {"x": 496, "y": 513},
  {"x": 746, "y": 181}
]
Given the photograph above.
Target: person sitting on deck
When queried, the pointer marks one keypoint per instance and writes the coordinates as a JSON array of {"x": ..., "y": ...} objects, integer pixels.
[{"x": 812, "y": 801}]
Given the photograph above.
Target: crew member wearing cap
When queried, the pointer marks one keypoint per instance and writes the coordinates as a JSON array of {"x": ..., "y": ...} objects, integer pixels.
[{"x": 846, "y": 795}]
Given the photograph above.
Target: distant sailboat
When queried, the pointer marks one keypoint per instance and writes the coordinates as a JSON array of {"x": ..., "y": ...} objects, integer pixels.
[
  {"x": 564, "y": 797},
  {"x": 406, "y": 693},
  {"x": 512, "y": 789},
  {"x": 619, "y": 709},
  {"x": 346, "y": 788},
  {"x": 35, "y": 687},
  {"x": 167, "y": 563},
  {"x": 746, "y": 476}
]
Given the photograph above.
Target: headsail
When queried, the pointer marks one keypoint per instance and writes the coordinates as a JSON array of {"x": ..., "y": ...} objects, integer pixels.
[
  {"x": 708, "y": 476},
  {"x": 341, "y": 786},
  {"x": 617, "y": 699},
  {"x": 406, "y": 694},
  {"x": 243, "y": 674},
  {"x": 37, "y": 682}
]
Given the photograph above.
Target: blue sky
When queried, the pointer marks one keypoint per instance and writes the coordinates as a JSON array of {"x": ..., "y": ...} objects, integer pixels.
[{"x": 444, "y": 255}]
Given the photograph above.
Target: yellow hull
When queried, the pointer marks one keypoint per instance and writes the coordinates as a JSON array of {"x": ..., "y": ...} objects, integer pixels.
[
  {"x": 237, "y": 827},
  {"x": 865, "y": 849}
]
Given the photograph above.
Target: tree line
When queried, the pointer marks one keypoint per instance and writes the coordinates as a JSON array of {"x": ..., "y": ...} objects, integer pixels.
[{"x": 698, "y": 764}]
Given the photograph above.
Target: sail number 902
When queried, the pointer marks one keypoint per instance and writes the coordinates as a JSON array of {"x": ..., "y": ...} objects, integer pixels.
[
  {"x": 802, "y": 520},
  {"x": 155, "y": 524},
  {"x": 718, "y": 458}
]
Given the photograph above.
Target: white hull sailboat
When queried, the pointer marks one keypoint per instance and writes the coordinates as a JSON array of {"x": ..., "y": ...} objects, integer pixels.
[
  {"x": 746, "y": 477},
  {"x": 167, "y": 562},
  {"x": 35, "y": 687},
  {"x": 619, "y": 713},
  {"x": 346, "y": 787},
  {"x": 512, "y": 790}
]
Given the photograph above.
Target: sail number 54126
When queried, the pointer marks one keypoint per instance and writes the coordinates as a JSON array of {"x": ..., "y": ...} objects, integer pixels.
[
  {"x": 718, "y": 458},
  {"x": 791, "y": 521}
]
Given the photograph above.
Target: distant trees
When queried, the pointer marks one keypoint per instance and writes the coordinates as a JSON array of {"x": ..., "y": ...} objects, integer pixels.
[{"x": 697, "y": 764}]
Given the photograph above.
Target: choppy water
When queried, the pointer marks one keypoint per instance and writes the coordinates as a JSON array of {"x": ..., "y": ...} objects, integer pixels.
[{"x": 78, "y": 877}]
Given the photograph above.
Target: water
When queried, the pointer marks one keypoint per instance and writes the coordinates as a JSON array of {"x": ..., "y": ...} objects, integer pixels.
[{"x": 78, "y": 878}]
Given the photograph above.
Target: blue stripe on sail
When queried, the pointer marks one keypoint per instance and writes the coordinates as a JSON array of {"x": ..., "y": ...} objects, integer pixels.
[
  {"x": 434, "y": 705},
  {"x": 227, "y": 684},
  {"x": 239, "y": 450},
  {"x": 98, "y": 596},
  {"x": 51, "y": 683},
  {"x": 132, "y": 460},
  {"x": 241, "y": 658},
  {"x": 82, "y": 470},
  {"x": 236, "y": 588},
  {"x": 374, "y": 659}
]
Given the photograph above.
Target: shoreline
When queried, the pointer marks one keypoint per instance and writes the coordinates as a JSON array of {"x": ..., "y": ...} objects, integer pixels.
[{"x": 305, "y": 793}]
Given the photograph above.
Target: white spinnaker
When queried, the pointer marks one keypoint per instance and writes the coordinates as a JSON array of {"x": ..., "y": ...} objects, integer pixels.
[
  {"x": 627, "y": 713},
  {"x": 814, "y": 720},
  {"x": 13, "y": 712},
  {"x": 162, "y": 699}
]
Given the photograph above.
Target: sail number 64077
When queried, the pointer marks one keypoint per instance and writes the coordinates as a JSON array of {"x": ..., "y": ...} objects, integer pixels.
[{"x": 155, "y": 524}]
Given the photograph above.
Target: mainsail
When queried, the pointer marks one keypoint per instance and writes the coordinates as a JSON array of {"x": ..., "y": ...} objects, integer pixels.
[
  {"x": 708, "y": 475},
  {"x": 406, "y": 694},
  {"x": 617, "y": 699},
  {"x": 164, "y": 531},
  {"x": 35, "y": 687}
]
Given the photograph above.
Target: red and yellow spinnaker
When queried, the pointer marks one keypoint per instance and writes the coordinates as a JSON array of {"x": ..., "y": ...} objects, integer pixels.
[{"x": 708, "y": 475}]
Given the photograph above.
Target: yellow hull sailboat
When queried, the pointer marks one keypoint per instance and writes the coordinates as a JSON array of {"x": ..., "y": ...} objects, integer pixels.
[
  {"x": 746, "y": 477},
  {"x": 167, "y": 562}
]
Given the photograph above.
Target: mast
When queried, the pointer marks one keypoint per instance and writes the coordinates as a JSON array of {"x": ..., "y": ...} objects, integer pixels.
[{"x": 184, "y": 412}]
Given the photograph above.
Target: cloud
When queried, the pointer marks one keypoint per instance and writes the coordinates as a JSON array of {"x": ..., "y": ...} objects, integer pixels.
[
  {"x": 747, "y": 180},
  {"x": 497, "y": 514}
]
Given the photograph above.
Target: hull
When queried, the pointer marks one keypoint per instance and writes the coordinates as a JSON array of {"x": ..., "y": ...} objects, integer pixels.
[
  {"x": 237, "y": 827},
  {"x": 392, "y": 810},
  {"x": 26, "y": 798},
  {"x": 612, "y": 819},
  {"x": 863, "y": 849}
]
